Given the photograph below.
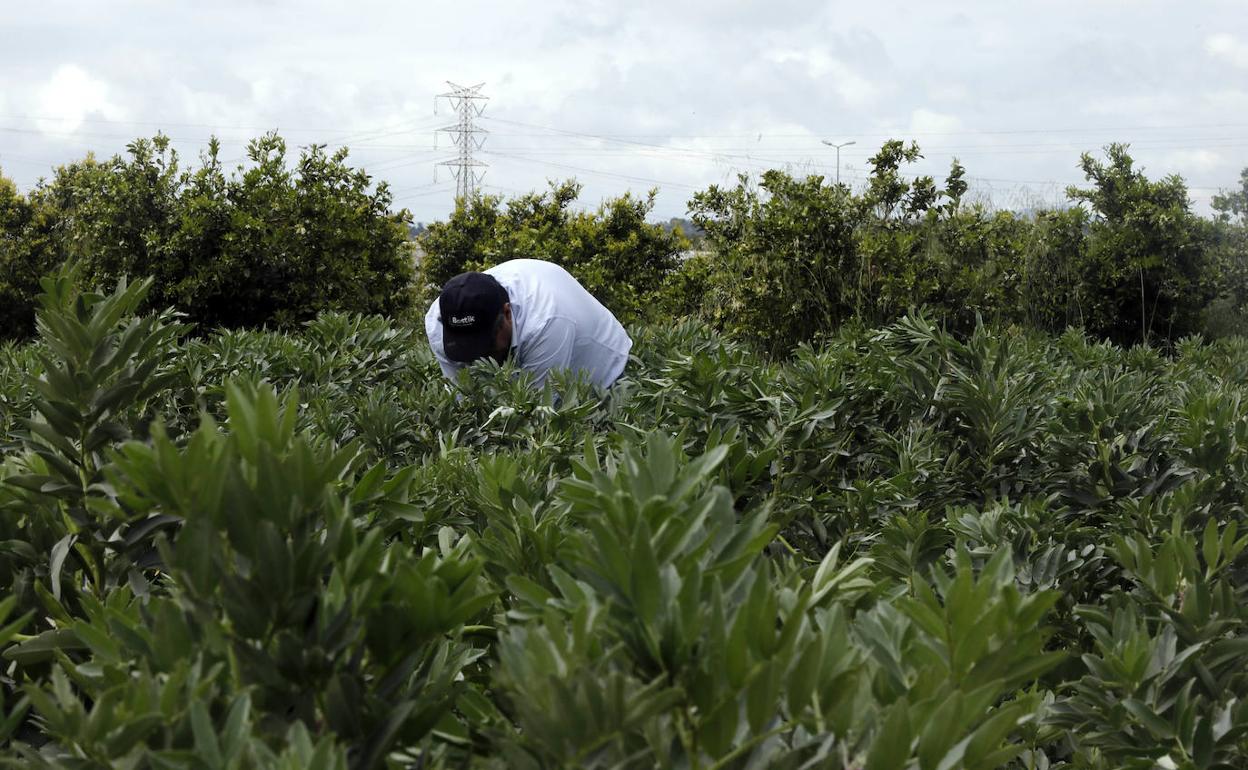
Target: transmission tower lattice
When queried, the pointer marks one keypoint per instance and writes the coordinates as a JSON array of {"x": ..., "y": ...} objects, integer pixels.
[{"x": 469, "y": 104}]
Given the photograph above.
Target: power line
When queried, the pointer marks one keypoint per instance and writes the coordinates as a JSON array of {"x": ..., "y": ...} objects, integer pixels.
[
  {"x": 743, "y": 134},
  {"x": 735, "y": 156},
  {"x": 394, "y": 130},
  {"x": 753, "y": 158},
  {"x": 413, "y": 196},
  {"x": 893, "y": 133},
  {"x": 1154, "y": 144},
  {"x": 598, "y": 172},
  {"x": 706, "y": 155},
  {"x": 407, "y": 127},
  {"x": 717, "y": 154},
  {"x": 403, "y": 189},
  {"x": 408, "y": 159},
  {"x": 180, "y": 124},
  {"x": 512, "y": 190}
]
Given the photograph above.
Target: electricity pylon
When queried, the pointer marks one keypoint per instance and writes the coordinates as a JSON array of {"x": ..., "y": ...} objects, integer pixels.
[{"x": 466, "y": 136}]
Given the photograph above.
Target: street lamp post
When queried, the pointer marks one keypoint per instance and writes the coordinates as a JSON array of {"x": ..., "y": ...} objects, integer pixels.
[{"x": 838, "y": 157}]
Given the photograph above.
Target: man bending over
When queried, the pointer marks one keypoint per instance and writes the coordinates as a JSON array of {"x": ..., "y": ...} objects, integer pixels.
[{"x": 531, "y": 311}]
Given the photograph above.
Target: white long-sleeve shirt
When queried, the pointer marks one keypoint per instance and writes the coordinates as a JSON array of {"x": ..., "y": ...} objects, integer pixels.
[{"x": 556, "y": 324}]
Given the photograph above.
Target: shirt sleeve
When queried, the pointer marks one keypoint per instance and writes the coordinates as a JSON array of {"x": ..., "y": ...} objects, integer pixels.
[
  {"x": 449, "y": 370},
  {"x": 551, "y": 348}
]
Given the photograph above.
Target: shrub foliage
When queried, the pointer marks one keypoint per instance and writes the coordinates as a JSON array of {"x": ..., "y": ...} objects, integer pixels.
[
  {"x": 617, "y": 256},
  {"x": 262, "y": 245},
  {"x": 901, "y": 549},
  {"x": 1129, "y": 261},
  {"x": 780, "y": 259}
]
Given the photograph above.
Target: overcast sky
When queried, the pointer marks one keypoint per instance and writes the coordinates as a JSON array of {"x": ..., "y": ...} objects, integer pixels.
[{"x": 631, "y": 95}]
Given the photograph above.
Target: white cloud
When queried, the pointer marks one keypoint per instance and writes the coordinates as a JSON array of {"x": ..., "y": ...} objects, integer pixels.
[
  {"x": 1186, "y": 162},
  {"x": 1147, "y": 107},
  {"x": 821, "y": 65},
  {"x": 1228, "y": 101},
  {"x": 1228, "y": 48},
  {"x": 71, "y": 96},
  {"x": 724, "y": 85},
  {"x": 949, "y": 92},
  {"x": 924, "y": 121}
]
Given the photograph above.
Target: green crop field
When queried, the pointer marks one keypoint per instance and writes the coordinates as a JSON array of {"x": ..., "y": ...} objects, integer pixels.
[{"x": 899, "y": 549}]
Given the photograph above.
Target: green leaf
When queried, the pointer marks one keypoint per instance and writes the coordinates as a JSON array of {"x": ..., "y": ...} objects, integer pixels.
[
  {"x": 1149, "y": 718},
  {"x": 206, "y": 744},
  {"x": 59, "y": 553},
  {"x": 941, "y": 731},
  {"x": 42, "y": 648},
  {"x": 233, "y": 737},
  {"x": 890, "y": 749},
  {"x": 761, "y": 705},
  {"x": 987, "y": 738}
]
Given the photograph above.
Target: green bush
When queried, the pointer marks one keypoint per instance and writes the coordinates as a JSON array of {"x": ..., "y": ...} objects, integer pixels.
[
  {"x": 792, "y": 259},
  {"x": 783, "y": 263},
  {"x": 616, "y": 255},
  {"x": 788, "y": 260},
  {"x": 263, "y": 245},
  {"x": 1148, "y": 272},
  {"x": 26, "y": 227},
  {"x": 903, "y": 548},
  {"x": 1052, "y": 291},
  {"x": 1228, "y": 234}
]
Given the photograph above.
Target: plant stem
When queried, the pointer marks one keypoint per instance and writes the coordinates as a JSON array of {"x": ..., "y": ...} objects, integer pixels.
[{"x": 750, "y": 744}]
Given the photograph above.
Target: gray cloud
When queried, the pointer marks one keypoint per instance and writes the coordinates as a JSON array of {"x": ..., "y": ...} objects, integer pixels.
[{"x": 684, "y": 94}]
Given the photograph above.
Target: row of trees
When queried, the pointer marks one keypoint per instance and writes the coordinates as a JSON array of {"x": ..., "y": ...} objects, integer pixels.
[
  {"x": 780, "y": 260},
  {"x": 271, "y": 243},
  {"x": 783, "y": 260},
  {"x": 790, "y": 259}
]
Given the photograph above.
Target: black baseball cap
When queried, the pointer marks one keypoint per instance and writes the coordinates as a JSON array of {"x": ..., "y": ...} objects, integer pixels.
[{"x": 470, "y": 304}]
